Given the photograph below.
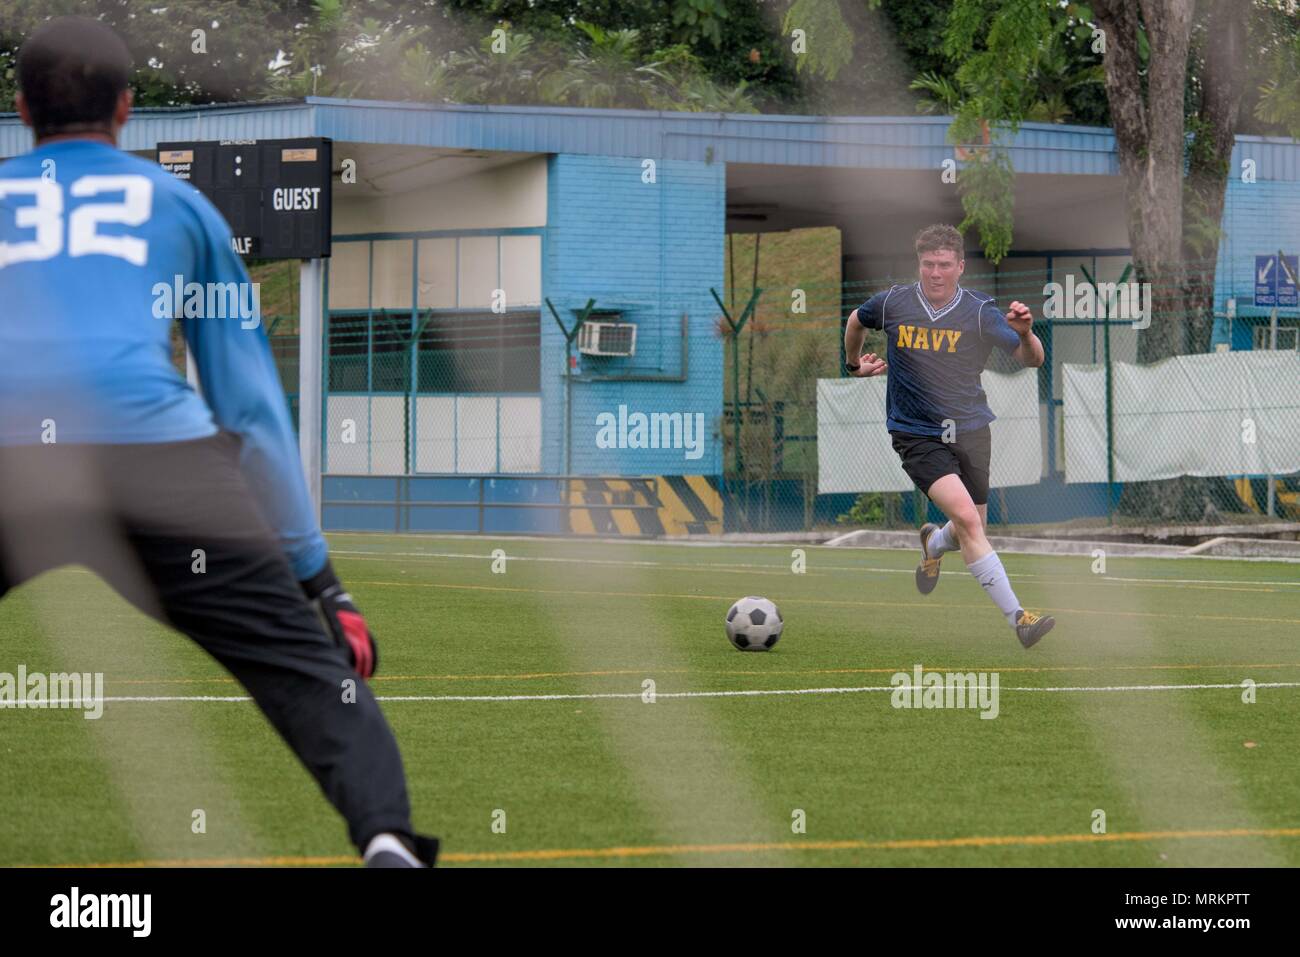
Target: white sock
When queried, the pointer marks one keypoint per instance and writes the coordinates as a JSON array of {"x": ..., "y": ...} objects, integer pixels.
[
  {"x": 944, "y": 540},
  {"x": 988, "y": 571},
  {"x": 391, "y": 843}
]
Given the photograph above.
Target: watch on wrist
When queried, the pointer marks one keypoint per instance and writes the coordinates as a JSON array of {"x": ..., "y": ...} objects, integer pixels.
[{"x": 852, "y": 366}]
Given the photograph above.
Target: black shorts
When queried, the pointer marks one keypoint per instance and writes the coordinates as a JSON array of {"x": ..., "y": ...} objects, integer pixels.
[
  {"x": 174, "y": 528},
  {"x": 927, "y": 458}
]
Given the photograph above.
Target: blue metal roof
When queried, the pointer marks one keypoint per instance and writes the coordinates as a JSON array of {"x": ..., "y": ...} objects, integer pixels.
[{"x": 864, "y": 142}]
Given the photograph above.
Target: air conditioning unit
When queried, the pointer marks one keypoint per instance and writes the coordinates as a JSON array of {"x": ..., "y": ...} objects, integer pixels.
[{"x": 607, "y": 338}]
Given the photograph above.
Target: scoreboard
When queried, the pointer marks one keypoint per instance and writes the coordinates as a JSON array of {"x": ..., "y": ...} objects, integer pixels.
[{"x": 275, "y": 194}]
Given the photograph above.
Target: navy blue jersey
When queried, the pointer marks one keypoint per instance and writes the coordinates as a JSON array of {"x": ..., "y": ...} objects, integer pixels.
[
  {"x": 92, "y": 241},
  {"x": 936, "y": 356}
]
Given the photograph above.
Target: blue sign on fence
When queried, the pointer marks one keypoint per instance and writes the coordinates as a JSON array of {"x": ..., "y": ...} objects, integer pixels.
[{"x": 1275, "y": 280}]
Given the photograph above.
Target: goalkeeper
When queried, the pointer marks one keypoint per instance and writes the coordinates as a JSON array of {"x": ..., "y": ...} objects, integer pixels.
[{"x": 195, "y": 511}]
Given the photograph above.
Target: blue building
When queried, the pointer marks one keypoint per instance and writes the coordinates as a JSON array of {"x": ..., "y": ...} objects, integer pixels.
[{"x": 466, "y": 237}]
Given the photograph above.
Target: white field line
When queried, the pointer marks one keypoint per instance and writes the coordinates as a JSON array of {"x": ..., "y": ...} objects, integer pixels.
[
  {"x": 235, "y": 699},
  {"x": 784, "y": 569},
  {"x": 786, "y": 546}
]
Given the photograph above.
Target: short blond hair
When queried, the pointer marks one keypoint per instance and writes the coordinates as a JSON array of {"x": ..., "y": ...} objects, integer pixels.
[{"x": 940, "y": 236}]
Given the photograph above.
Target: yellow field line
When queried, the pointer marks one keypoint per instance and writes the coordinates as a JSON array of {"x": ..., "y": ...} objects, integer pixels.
[
  {"x": 817, "y": 601},
  {"x": 221, "y": 862},
  {"x": 1012, "y": 840},
  {"x": 752, "y": 847},
  {"x": 724, "y": 672}
]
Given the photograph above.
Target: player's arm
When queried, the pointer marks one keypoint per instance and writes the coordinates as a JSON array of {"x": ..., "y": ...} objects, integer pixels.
[
  {"x": 1014, "y": 333},
  {"x": 866, "y": 316},
  {"x": 242, "y": 387},
  {"x": 1029, "y": 353}
]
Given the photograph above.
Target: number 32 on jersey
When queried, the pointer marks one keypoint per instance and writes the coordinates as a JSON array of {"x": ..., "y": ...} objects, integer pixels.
[{"x": 46, "y": 219}]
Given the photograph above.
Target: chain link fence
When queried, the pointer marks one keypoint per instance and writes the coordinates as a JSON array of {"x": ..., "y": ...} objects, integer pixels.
[{"x": 1104, "y": 421}]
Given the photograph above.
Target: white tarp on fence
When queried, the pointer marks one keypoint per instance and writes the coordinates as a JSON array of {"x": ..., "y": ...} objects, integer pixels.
[
  {"x": 1222, "y": 413},
  {"x": 854, "y": 453}
]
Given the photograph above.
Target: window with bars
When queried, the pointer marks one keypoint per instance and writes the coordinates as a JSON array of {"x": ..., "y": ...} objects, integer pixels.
[{"x": 458, "y": 351}]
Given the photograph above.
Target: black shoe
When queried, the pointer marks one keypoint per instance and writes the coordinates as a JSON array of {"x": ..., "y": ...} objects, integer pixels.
[
  {"x": 1030, "y": 627},
  {"x": 426, "y": 849},
  {"x": 927, "y": 573}
]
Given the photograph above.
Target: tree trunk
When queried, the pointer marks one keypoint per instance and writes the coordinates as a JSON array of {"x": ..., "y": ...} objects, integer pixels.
[
  {"x": 1222, "y": 86},
  {"x": 1149, "y": 137},
  {"x": 1174, "y": 225}
]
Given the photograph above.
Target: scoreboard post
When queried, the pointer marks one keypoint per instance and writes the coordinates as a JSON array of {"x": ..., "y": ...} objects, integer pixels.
[{"x": 276, "y": 196}]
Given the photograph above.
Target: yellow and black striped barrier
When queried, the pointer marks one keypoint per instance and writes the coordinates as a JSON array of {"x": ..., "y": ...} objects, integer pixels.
[
  {"x": 1250, "y": 491},
  {"x": 661, "y": 505}
]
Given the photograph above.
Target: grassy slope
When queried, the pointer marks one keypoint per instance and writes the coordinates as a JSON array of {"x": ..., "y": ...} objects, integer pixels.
[{"x": 790, "y": 350}]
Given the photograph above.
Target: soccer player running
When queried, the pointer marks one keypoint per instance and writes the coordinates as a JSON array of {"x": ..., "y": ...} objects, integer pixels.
[
  {"x": 195, "y": 511},
  {"x": 938, "y": 339}
]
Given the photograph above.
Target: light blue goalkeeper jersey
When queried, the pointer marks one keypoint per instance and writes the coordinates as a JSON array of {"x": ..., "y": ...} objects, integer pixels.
[{"x": 98, "y": 249}]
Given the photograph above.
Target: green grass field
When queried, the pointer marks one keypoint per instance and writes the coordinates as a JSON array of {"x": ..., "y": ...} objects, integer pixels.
[{"x": 1186, "y": 776}]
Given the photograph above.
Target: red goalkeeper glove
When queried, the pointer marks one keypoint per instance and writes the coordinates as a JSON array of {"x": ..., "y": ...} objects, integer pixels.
[{"x": 342, "y": 620}]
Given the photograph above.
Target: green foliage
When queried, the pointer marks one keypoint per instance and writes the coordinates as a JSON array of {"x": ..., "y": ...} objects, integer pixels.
[
  {"x": 597, "y": 68},
  {"x": 1279, "y": 95},
  {"x": 686, "y": 86},
  {"x": 698, "y": 20},
  {"x": 1018, "y": 61},
  {"x": 1058, "y": 73},
  {"x": 748, "y": 47},
  {"x": 1201, "y": 211},
  {"x": 829, "y": 39},
  {"x": 516, "y": 72},
  {"x": 173, "y": 65},
  {"x": 867, "y": 509},
  {"x": 8, "y": 82},
  {"x": 604, "y": 72},
  {"x": 918, "y": 31},
  {"x": 392, "y": 49},
  {"x": 945, "y": 96},
  {"x": 782, "y": 353},
  {"x": 987, "y": 195},
  {"x": 1000, "y": 46},
  {"x": 317, "y": 54}
]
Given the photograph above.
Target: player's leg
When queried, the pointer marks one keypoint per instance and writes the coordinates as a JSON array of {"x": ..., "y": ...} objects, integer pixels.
[
  {"x": 968, "y": 495},
  {"x": 217, "y": 575},
  {"x": 925, "y": 459},
  {"x": 938, "y": 540},
  {"x": 248, "y": 612},
  {"x": 950, "y": 495}
]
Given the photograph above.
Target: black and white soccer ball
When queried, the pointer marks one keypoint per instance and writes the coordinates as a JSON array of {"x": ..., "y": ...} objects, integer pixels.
[{"x": 754, "y": 624}]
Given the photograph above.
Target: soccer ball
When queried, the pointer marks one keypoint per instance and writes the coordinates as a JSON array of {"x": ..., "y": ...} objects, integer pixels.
[{"x": 754, "y": 624}]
